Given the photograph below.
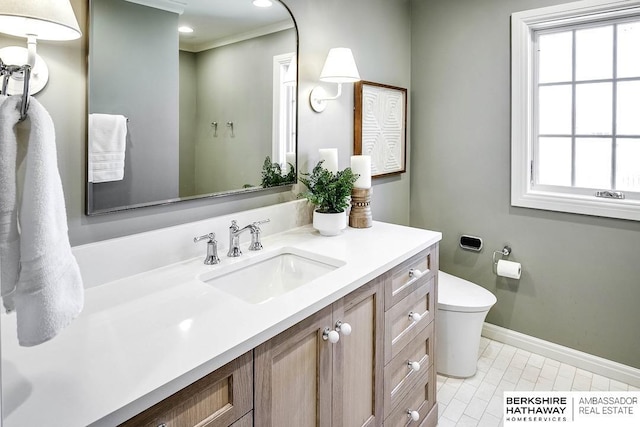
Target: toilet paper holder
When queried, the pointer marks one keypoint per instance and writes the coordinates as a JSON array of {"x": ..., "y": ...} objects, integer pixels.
[{"x": 506, "y": 251}]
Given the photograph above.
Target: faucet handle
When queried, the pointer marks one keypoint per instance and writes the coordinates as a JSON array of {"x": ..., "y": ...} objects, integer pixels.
[
  {"x": 210, "y": 236},
  {"x": 256, "y": 244},
  {"x": 212, "y": 248}
]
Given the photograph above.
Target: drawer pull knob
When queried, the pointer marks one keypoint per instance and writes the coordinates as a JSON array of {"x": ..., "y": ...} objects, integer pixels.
[
  {"x": 414, "y": 415},
  {"x": 343, "y": 327},
  {"x": 415, "y": 273},
  {"x": 416, "y": 317},
  {"x": 414, "y": 366},
  {"x": 331, "y": 336}
]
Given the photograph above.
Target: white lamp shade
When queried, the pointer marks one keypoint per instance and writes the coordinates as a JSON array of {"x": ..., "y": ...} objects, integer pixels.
[
  {"x": 44, "y": 19},
  {"x": 340, "y": 67},
  {"x": 291, "y": 75}
]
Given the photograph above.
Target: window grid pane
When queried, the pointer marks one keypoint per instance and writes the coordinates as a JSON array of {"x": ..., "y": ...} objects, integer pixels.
[
  {"x": 594, "y": 53},
  {"x": 556, "y": 108},
  {"x": 555, "y": 161},
  {"x": 555, "y": 57},
  {"x": 628, "y": 40},
  {"x": 628, "y": 166},
  {"x": 593, "y": 163},
  {"x": 593, "y": 109},
  {"x": 628, "y": 108},
  {"x": 602, "y": 107}
]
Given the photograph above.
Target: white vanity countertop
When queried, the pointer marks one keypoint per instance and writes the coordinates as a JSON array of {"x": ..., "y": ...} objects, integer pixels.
[{"x": 144, "y": 337}]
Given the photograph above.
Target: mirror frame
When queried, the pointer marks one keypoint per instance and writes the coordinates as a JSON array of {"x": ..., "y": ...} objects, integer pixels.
[{"x": 218, "y": 195}]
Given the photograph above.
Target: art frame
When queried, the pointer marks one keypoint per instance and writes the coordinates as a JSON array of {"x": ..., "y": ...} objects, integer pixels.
[{"x": 380, "y": 126}]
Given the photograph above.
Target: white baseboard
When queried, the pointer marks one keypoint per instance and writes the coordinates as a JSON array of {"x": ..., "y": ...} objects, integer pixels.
[{"x": 579, "y": 359}]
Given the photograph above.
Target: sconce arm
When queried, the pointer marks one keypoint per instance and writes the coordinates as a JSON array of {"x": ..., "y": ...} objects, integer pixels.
[
  {"x": 318, "y": 98},
  {"x": 31, "y": 50}
]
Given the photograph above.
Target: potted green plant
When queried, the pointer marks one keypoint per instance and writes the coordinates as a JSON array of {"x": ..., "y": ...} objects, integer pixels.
[{"x": 329, "y": 192}]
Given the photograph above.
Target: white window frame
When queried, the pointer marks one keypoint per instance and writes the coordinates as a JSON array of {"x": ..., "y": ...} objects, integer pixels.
[{"x": 523, "y": 191}]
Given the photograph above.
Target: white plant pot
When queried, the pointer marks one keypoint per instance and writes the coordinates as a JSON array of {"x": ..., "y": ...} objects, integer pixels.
[{"x": 329, "y": 224}]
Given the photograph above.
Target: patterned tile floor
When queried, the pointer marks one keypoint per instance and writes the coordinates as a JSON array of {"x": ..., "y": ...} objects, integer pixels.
[{"x": 477, "y": 401}]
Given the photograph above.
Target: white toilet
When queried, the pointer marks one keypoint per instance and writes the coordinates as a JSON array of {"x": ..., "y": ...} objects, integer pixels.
[{"x": 462, "y": 308}]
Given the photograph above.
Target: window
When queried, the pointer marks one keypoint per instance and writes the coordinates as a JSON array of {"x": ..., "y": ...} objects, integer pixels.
[{"x": 576, "y": 108}]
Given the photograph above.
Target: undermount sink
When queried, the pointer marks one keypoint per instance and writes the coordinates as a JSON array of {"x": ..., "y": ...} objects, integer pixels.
[{"x": 263, "y": 278}]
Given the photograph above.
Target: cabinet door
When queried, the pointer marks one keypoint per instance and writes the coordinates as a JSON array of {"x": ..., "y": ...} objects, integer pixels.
[
  {"x": 358, "y": 358},
  {"x": 293, "y": 376}
]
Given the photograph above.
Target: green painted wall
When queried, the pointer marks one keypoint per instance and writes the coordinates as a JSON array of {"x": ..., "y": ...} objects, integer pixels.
[{"x": 581, "y": 275}]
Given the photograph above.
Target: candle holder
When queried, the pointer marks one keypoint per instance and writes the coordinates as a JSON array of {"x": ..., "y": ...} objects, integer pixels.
[{"x": 360, "y": 215}]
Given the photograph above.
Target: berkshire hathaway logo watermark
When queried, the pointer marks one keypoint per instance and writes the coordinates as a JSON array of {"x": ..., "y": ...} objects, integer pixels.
[{"x": 571, "y": 408}]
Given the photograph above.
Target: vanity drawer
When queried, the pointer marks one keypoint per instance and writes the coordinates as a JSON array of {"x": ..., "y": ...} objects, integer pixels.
[
  {"x": 402, "y": 282},
  {"x": 422, "y": 399},
  {"x": 217, "y": 400},
  {"x": 399, "y": 378},
  {"x": 399, "y": 328}
]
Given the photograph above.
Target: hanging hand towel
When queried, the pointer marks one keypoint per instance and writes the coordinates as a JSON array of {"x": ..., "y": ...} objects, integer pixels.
[
  {"x": 107, "y": 143},
  {"x": 9, "y": 237},
  {"x": 49, "y": 293}
]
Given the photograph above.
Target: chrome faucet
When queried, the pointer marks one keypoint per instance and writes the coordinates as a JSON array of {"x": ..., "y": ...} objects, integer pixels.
[
  {"x": 234, "y": 237},
  {"x": 212, "y": 248}
]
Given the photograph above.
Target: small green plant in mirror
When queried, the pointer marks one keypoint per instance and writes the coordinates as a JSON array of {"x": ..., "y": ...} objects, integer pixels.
[
  {"x": 272, "y": 175},
  {"x": 328, "y": 191}
]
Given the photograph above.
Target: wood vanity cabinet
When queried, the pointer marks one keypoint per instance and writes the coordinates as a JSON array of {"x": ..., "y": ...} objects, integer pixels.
[
  {"x": 366, "y": 378},
  {"x": 303, "y": 380},
  {"x": 299, "y": 378},
  {"x": 221, "y": 399}
]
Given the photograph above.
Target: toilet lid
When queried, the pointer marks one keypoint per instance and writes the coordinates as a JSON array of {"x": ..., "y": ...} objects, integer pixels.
[{"x": 456, "y": 294}]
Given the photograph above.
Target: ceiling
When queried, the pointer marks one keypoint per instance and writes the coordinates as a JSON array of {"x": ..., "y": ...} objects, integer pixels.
[{"x": 219, "y": 22}]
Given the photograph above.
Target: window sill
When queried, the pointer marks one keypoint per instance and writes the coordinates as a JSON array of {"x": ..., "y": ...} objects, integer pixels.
[{"x": 580, "y": 204}]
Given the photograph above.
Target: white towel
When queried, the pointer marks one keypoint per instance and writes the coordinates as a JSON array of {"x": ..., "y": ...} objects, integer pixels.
[
  {"x": 9, "y": 237},
  {"x": 49, "y": 293},
  {"x": 107, "y": 143}
]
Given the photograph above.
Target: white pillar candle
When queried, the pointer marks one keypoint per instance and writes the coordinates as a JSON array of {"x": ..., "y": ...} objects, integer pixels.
[
  {"x": 362, "y": 166},
  {"x": 330, "y": 157},
  {"x": 290, "y": 159}
]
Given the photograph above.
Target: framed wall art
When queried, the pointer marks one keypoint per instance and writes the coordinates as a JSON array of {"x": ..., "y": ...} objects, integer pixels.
[{"x": 380, "y": 126}]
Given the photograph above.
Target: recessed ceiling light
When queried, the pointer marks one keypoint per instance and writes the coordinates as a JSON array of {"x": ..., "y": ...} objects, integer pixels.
[
  {"x": 262, "y": 3},
  {"x": 184, "y": 29}
]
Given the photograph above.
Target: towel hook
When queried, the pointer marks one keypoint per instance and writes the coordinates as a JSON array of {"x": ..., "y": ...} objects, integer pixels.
[
  {"x": 24, "y": 105},
  {"x": 214, "y": 125},
  {"x": 230, "y": 125},
  {"x": 6, "y": 71}
]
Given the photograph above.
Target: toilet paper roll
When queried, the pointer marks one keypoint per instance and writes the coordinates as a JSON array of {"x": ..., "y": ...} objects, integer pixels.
[{"x": 509, "y": 269}]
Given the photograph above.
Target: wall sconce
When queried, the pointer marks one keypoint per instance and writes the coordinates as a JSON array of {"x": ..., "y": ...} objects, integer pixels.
[
  {"x": 339, "y": 67},
  {"x": 35, "y": 19}
]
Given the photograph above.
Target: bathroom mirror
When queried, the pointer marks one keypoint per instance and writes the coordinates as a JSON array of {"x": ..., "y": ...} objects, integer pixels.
[{"x": 177, "y": 116}]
